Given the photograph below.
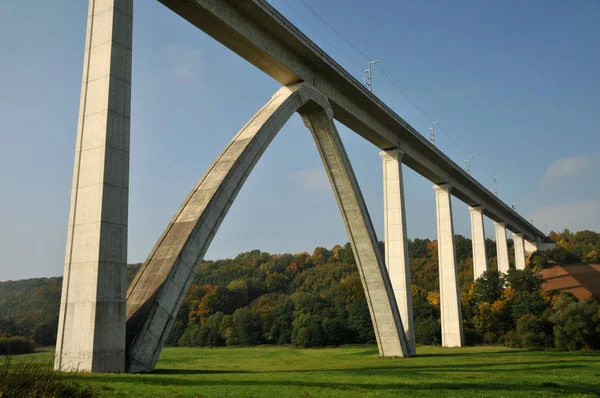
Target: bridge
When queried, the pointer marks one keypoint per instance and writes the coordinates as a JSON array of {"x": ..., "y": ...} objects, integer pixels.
[{"x": 106, "y": 327}]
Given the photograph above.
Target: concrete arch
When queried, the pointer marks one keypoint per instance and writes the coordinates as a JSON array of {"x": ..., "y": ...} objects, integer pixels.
[{"x": 154, "y": 296}]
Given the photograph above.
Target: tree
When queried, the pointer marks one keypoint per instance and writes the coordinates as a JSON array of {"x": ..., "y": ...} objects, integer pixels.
[
  {"x": 359, "y": 322},
  {"x": 428, "y": 331},
  {"x": 281, "y": 328},
  {"x": 307, "y": 331},
  {"x": 276, "y": 283},
  {"x": 538, "y": 261},
  {"x": 417, "y": 248},
  {"x": 574, "y": 326},
  {"x": 463, "y": 247},
  {"x": 532, "y": 332},
  {"x": 247, "y": 328},
  {"x": 333, "y": 331},
  {"x": 524, "y": 280},
  {"x": 209, "y": 334},
  {"x": 219, "y": 299},
  {"x": 488, "y": 287},
  {"x": 527, "y": 303}
]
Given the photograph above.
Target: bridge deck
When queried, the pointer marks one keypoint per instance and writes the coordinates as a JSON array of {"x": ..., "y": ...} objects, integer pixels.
[{"x": 260, "y": 34}]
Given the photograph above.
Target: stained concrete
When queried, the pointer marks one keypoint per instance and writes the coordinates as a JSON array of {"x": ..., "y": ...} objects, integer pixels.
[
  {"x": 480, "y": 262},
  {"x": 91, "y": 330},
  {"x": 154, "y": 297},
  {"x": 451, "y": 315},
  {"x": 396, "y": 241},
  {"x": 501, "y": 247},
  {"x": 519, "y": 251}
]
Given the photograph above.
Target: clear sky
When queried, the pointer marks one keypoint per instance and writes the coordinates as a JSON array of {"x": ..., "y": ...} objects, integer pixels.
[{"x": 514, "y": 83}]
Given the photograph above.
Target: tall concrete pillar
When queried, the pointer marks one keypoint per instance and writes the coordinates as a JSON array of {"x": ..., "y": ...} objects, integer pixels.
[
  {"x": 530, "y": 247},
  {"x": 91, "y": 330},
  {"x": 519, "y": 251},
  {"x": 396, "y": 242},
  {"x": 501, "y": 247},
  {"x": 478, "y": 237},
  {"x": 452, "y": 330}
]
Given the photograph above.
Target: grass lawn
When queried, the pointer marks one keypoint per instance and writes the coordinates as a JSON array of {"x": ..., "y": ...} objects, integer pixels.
[{"x": 355, "y": 371}]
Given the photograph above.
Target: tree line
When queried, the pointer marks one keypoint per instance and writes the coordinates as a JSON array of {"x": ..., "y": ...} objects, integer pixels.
[{"x": 316, "y": 299}]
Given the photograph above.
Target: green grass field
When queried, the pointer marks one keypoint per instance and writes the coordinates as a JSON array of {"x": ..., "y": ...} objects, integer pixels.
[{"x": 355, "y": 371}]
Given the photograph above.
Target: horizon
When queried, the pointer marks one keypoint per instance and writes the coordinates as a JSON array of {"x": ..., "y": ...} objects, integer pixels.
[{"x": 270, "y": 253}]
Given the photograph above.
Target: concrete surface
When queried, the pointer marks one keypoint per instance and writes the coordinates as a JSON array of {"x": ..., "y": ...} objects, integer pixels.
[
  {"x": 451, "y": 314},
  {"x": 257, "y": 32},
  {"x": 396, "y": 241},
  {"x": 501, "y": 247},
  {"x": 480, "y": 263},
  {"x": 379, "y": 293},
  {"x": 519, "y": 251},
  {"x": 91, "y": 331}
]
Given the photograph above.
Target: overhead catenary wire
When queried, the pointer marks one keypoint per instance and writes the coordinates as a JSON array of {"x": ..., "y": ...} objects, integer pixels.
[
  {"x": 388, "y": 77},
  {"x": 316, "y": 30}
]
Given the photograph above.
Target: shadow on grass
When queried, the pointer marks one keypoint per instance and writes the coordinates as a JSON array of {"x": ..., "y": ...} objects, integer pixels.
[
  {"x": 449, "y": 368},
  {"x": 544, "y": 388},
  {"x": 504, "y": 352},
  {"x": 174, "y": 371}
]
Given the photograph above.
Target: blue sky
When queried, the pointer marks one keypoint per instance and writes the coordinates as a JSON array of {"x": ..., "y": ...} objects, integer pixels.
[{"x": 513, "y": 83}]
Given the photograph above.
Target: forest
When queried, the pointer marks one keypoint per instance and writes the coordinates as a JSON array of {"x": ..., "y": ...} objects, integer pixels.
[{"x": 316, "y": 299}]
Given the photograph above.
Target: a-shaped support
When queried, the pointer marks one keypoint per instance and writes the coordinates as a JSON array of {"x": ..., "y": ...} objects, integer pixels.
[
  {"x": 451, "y": 314},
  {"x": 91, "y": 327},
  {"x": 480, "y": 264},
  {"x": 154, "y": 297},
  {"x": 519, "y": 251},
  {"x": 501, "y": 247},
  {"x": 396, "y": 241}
]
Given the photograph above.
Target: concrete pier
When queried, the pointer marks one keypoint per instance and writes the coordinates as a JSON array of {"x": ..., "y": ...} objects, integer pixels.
[
  {"x": 519, "y": 251},
  {"x": 501, "y": 247},
  {"x": 91, "y": 330},
  {"x": 451, "y": 315},
  {"x": 154, "y": 297},
  {"x": 396, "y": 241},
  {"x": 379, "y": 293},
  {"x": 480, "y": 264}
]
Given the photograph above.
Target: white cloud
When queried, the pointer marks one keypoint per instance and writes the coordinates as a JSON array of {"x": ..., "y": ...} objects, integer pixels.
[
  {"x": 185, "y": 62},
  {"x": 576, "y": 216},
  {"x": 567, "y": 167},
  {"x": 311, "y": 179}
]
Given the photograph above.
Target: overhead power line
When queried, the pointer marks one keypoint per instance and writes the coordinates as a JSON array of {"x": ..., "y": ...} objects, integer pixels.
[
  {"x": 336, "y": 32},
  {"x": 389, "y": 78}
]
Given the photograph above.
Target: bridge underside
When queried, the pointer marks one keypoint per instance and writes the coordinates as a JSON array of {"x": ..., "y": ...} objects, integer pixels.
[
  {"x": 257, "y": 32},
  {"x": 154, "y": 297}
]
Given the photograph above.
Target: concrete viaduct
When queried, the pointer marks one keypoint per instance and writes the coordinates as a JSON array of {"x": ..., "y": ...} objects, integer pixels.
[{"x": 105, "y": 327}]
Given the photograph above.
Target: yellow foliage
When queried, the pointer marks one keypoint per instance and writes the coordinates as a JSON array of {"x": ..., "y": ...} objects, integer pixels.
[
  {"x": 500, "y": 306},
  {"x": 508, "y": 293},
  {"x": 546, "y": 296},
  {"x": 434, "y": 299}
]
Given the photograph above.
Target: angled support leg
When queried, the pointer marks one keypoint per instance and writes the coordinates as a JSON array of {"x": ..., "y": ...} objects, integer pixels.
[
  {"x": 154, "y": 297},
  {"x": 376, "y": 283}
]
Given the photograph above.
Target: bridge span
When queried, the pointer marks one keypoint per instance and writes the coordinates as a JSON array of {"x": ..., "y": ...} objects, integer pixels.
[
  {"x": 106, "y": 327},
  {"x": 257, "y": 32}
]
